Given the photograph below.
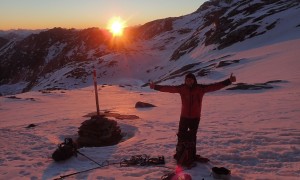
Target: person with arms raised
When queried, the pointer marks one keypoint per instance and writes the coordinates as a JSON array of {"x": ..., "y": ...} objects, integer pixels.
[{"x": 191, "y": 94}]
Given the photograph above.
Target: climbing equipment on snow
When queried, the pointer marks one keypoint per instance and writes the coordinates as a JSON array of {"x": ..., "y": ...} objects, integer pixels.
[
  {"x": 137, "y": 160},
  {"x": 142, "y": 160}
]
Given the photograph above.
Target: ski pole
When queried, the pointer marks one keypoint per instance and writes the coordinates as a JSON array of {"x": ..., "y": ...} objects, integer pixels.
[
  {"x": 105, "y": 163},
  {"x": 64, "y": 176},
  {"x": 88, "y": 158}
]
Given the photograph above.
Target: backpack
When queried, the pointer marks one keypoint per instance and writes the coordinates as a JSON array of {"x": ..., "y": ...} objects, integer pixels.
[{"x": 65, "y": 150}]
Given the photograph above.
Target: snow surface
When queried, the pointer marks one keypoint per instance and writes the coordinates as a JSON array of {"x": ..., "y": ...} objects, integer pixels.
[{"x": 256, "y": 134}]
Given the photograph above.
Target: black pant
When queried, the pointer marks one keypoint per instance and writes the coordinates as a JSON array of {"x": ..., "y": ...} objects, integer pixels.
[{"x": 187, "y": 133}]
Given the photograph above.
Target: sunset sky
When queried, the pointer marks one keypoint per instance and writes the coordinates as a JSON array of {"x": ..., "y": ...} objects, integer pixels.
[{"x": 80, "y": 14}]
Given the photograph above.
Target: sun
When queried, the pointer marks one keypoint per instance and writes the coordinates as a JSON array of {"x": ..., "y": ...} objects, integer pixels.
[{"x": 116, "y": 26}]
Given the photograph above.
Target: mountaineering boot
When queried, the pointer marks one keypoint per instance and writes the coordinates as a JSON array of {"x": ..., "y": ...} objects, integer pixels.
[{"x": 201, "y": 159}]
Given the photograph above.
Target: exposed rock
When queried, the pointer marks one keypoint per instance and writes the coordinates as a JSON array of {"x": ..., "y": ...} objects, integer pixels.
[
  {"x": 140, "y": 104},
  {"x": 227, "y": 63},
  {"x": 31, "y": 126},
  {"x": 186, "y": 47},
  {"x": 78, "y": 73},
  {"x": 256, "y": 86},
  {"x": 18, "y": 98},
  {"x": 99, "y": 131},
  {"x": 184, "y": 30},
  {"x": 203, "y": 72},
  {"x": 13, "y": 97},
  {"x": 244, "y": 86}
]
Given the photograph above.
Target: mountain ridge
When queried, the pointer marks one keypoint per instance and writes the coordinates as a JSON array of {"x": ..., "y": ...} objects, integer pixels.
[{"x": 163, "y": 49}]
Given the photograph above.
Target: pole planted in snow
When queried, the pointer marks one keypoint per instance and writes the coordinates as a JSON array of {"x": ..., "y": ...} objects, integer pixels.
[{"x": 96, "y": 91}]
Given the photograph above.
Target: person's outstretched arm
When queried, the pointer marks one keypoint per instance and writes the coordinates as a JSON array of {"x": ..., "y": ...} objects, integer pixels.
[
  {"x": 219, "y": 85},
  {"x": 164, "y": 88}
]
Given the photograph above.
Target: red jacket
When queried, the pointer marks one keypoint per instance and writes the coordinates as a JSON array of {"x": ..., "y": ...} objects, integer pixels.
[{"x": 191, "y": 98}]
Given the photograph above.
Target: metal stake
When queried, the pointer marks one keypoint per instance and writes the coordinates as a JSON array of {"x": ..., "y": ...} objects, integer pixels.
[{"x": 96, "y": 92}]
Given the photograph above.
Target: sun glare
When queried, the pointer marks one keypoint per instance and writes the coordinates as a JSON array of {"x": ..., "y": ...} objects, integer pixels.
[{"x": 116, "y": 26}]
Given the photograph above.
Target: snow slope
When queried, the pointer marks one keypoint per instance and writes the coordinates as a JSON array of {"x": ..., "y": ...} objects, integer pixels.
[
  {"x": 256, "y": 134},
  {"x": 162, "y": 50}
]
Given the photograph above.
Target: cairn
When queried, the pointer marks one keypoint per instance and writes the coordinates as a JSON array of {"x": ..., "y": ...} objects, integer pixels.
[{"x": 98, "y": 131}]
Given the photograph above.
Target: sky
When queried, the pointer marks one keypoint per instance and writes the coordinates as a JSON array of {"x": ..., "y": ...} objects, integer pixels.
[{"x": 80, "y": 14}]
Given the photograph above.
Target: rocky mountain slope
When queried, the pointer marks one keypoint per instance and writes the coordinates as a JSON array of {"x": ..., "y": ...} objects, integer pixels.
[{"x": 202, "y": 42}]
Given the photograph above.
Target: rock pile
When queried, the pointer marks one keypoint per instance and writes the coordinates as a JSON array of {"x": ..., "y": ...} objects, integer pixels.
[{"x": 99, "y": 131}]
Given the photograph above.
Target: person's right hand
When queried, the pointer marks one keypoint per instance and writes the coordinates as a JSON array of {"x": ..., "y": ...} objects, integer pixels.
[
  {"x": 151, "y": 84},
  {"x": 232, "y": 78}
]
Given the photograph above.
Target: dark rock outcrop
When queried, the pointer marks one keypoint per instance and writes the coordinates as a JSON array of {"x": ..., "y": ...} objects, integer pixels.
[
  {"x": 256, "y": 86},
  {"x": 140, "y": 104},
  {"x": 99, "y": 131}
]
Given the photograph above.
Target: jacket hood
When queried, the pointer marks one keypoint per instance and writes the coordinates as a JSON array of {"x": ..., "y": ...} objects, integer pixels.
[{"x": 192, "y": 76}]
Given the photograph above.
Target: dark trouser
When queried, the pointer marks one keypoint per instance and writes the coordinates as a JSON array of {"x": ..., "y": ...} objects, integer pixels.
[{"x": 187, "y": 133}]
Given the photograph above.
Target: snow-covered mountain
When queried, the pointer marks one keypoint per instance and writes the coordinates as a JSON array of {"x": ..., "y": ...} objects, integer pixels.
[{"x": 204, "y": 42}]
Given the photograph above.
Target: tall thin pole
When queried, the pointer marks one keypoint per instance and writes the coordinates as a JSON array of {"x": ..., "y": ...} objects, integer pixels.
[{"x": 96, "y": 92}]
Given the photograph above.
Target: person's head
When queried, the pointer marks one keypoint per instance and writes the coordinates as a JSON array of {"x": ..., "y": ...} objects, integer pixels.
[{"x": 190, "y": 80}]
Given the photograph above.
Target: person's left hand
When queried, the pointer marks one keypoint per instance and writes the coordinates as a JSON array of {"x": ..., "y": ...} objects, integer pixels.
[
  {"x": 152, "y": 85},
  {"x": 232, "y": 78}
]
